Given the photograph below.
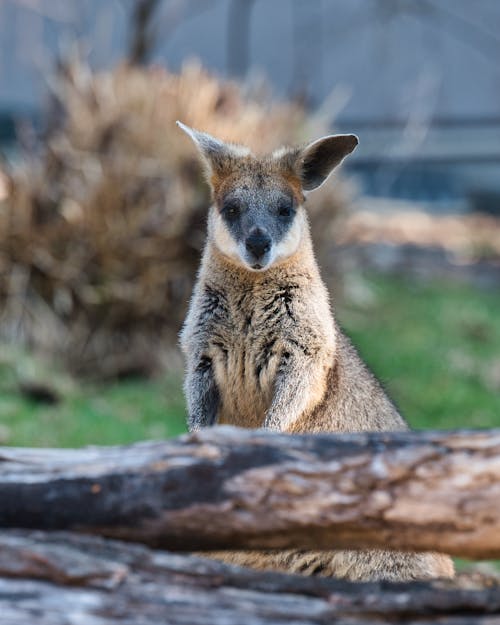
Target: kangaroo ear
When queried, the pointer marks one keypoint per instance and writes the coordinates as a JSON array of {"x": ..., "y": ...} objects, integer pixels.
[
  {"x": 217, "y": 155},
  {"x": 318, "y": 159}
]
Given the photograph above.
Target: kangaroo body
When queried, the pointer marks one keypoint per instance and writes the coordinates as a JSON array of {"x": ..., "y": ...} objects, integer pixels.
[{"x": 261, "y": 343}]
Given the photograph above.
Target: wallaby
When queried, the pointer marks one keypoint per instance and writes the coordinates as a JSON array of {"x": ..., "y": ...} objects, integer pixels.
[{"x": 261, "y": 343}]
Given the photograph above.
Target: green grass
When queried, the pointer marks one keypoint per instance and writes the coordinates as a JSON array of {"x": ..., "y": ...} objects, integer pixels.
[
  {"x": 117, "y": 413},
  {"x": 436, "y": 348}
]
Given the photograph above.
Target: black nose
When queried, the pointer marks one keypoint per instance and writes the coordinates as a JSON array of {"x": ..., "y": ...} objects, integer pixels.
[{"x": 258, "y": 244}]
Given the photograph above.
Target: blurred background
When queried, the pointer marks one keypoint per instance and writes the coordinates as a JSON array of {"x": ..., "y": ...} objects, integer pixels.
[{"x": 103, "y": 207}]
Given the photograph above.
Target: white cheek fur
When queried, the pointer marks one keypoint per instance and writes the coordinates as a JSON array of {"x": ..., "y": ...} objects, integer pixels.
[
  {"x": 290, "y": 243},
  {"x": 222, "y": 238}
]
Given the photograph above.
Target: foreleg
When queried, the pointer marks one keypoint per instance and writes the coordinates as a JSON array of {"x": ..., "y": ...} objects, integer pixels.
[
  {"x": 299, "y": 386},
  {"x": 202, "y": 394}
]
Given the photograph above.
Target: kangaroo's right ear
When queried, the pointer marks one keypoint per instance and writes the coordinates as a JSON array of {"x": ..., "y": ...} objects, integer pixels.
[
  {"x": 314, "y": 163},
  {"x": 320, "y": 158},
  {"x": 218, "y": 157}
]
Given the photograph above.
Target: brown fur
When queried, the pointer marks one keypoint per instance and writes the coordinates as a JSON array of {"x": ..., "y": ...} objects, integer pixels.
[{"x": 279, "y": 360}]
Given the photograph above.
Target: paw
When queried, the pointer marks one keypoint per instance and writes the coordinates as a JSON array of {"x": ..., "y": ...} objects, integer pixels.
[{"x": 274, "y": 423}]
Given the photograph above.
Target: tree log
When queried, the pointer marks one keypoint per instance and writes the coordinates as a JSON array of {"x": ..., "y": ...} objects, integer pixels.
[
  {"x": 66, "y": 579},
  {"x": 226, "y": 488}
]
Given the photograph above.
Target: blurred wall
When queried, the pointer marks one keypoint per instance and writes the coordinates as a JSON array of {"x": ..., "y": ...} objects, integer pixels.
[
  {"x": 389, "y": 57},
  {"x": 418, "y": 79}
]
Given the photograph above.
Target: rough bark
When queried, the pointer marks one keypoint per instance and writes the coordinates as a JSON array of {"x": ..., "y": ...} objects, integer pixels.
[
  {"x": 230, "y": 488},
  {"x": 57, "y": 578}
]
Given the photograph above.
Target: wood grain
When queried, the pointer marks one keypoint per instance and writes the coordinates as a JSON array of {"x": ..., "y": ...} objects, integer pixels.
[{"x": 225, "y": 488}]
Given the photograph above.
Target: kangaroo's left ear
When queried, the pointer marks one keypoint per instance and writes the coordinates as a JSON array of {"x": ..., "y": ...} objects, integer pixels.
[
  {"x": 218, "y": 157},
  {"x": 314, "y": 163}
]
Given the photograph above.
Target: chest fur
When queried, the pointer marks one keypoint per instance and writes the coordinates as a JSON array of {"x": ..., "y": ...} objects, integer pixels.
[{"x": 248, "y": 335}]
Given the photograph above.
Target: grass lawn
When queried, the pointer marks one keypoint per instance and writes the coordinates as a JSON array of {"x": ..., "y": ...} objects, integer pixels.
[
  {"x": 435, "y": 347},
  {"x": 122, "y": 412}
]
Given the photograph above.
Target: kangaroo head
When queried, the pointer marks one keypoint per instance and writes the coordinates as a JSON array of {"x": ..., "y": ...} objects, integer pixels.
[{"x": 258, "y": 219}]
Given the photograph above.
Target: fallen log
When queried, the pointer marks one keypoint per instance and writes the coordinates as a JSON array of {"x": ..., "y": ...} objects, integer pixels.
[
  {"x": 229, "y": 488},
  {"x": 61, "y": 578}
]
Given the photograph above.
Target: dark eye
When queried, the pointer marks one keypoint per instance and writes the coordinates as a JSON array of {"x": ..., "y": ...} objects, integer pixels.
[
  {"x": 231, "y": 210},
  {"x": 285, "y": 209}
]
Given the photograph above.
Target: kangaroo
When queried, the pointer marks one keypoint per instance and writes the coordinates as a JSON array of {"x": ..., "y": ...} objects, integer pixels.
[{"x": 261, "y": 343}]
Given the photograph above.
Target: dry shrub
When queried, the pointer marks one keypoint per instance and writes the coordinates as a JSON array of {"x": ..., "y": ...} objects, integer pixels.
[{"x": 101, "y": 233}]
